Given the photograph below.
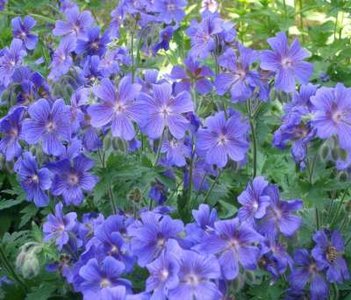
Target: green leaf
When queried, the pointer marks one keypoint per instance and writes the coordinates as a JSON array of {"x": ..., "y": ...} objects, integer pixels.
[{"x": 9, "y": 203}]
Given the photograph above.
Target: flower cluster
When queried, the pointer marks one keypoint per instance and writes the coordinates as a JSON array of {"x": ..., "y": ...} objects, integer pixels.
[
  {"x": 188, "y": 124},
  {"x": 186, "y": 260}
]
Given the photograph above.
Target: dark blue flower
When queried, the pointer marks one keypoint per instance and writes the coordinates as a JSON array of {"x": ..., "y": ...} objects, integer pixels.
[
  {"x": 306, "y": 271},
  {"x": 287, "y": 61},
  {"x": 235, "y": 245},
  {"x": 11, "y": 131},
  {"x": 72, "y": 178},
  {"x": 33, "y": 180},
  {"x": 48, "y": 123},
  {"x": 328, "y": 253},
  {"x": 59, "y": 226},
  {"x": 279, "y": 215},
  {"x": 149, "y": 236},
  {"x": 22, "y": 30}
]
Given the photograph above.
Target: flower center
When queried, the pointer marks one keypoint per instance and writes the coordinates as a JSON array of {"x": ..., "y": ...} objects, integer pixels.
[
  {"x": 233, "y": 243},
  {"x": 171, "y": 7},
  {"x": 312, "y": 268},
  {"x": 114, "y": 249},
  {"x": 161, "y": 242},
  {"x": 119, "y": 107},
  {"x": 50, "y": 126},
  {"x": 104, "y": 283},
  {"x": 22, "y": 35},
  {"x": 337, "y": 116},
  {"x": 255, "y": 205},
  {"x": 165, "y": 111},
  {"x": 331, "y": 254},
  {"x": 94, "y": 45},
  {"x": 222, "y": 139},
  {"x": 192, "y": 279},
  {"x": 241, "y": 74},
  {"x": 73, "y": 179},
  {"x": 35, "y": 178},
  {"x": 164, "y": 274},
  {"x": 287, "y": 62},
  {"x": 13, "y": 132}
]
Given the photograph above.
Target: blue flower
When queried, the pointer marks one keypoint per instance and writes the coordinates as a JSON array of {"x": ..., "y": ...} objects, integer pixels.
[
  {"x": 59, "y": 226},
  {"x": 33, "y": 180},
  {"x": 287, "y": 62},
  {"x": 48, "y": 123},
  {"x": 11, "y": 131},
  {"x": 22, "y": 30}
]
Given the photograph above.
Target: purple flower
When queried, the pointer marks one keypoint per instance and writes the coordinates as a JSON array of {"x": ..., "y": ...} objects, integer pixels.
[
  {"x": 62, "y": 59},
  {"x": 234, "y": 243},
  {"x": 149, "y": 236},
  {"x": 306, "y": 270},
  {"x": 162, "y": 110},
  {"x": 239, "y": 79},
  {"x": 196, "y": 275},
  {"x": 71, "y": 179},
  {"x": 10, "y": 130},
  {"x": 91, "y": 69},
  {"x": 113, "y": 60},
  {"x": 204, "y": 219},
  {"x": 222, "y": 138},
  {"x": 287, "y": 61},
  {"x": 96, "y": 277},
  {"x": 170, "y": 10},
  {"x": 209, "y": 6},
  {"x": 176, "y": 152},
  {"x": 49, "y": 124},
  {"x": 332, "y": 114},
  {"x": 10, "y": 59},
  {"x": 59, "y": 226},
  {"x": 328, "y": 253},
  {"x": 112, "y": 244},
  {"x": 276, "y": 259},
  {"x": 33, "y": 180},
  {"x": 163, "y": 275},
  {"x": 76, "y": 24},
  {"x": 118, "y": 107},
  {"x": 254, "y": 201},
  {"x": 193, "y": 75},
  {"x": 294, "y": 128},
  {"x": 94, "y": 44},
  {"x": 165, "y": 37},
  {"x": 158, "y": 193},
  {"x": 279, "y": 215},
  {"x": 22, "y": 30},
  {"x": 203, "y": 35}
]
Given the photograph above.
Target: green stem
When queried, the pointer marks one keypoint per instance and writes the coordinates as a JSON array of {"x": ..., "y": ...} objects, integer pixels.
[
  {"x": 10, "y": 269},
  {"x": 191, "y": 165},
  {"x": 159, "y": 149},
  {"x": 109, "y": 190},
  {"x": 337, "y": 212},
  {"x": 212, "y": 186},
  {"x": 254, "y": 139},
  {"x": 317, "y": 217},
  {"x": 301, "y": 20},
  {"x": 10, "y": 13},
  {"x": 285, "y": 10},
  {"x": 132, "y": 54}
]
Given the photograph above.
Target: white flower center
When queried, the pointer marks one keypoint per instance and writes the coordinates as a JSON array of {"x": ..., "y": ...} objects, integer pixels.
[
  {"x": 164, "y": 274},
  {"x": 192, "y": 279},
  {"x": 287, "y": 62},
  {"x": 50, "y": 126},
  {"x": 222, "y": 139},
  {"x": 104, "y": 283},
  {"x": 73, "y": 179}
]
